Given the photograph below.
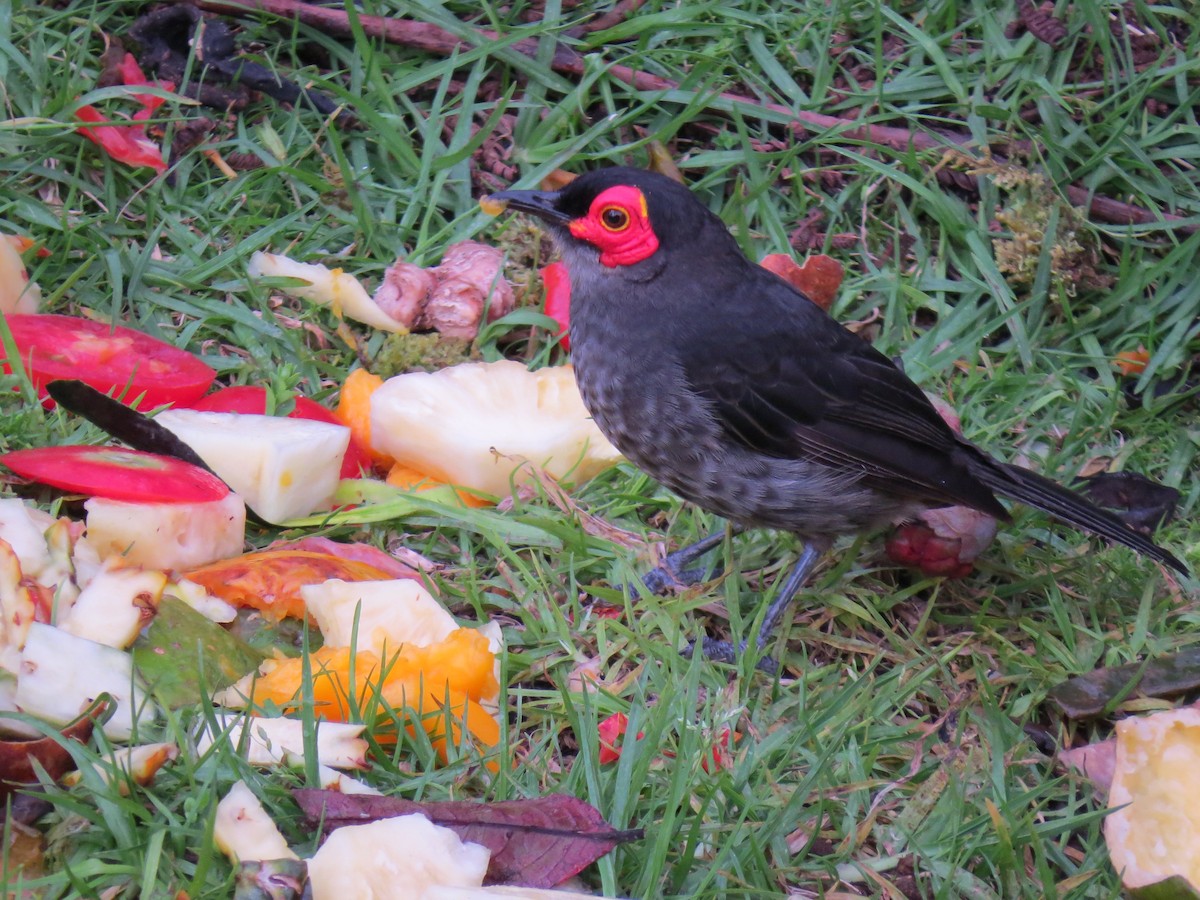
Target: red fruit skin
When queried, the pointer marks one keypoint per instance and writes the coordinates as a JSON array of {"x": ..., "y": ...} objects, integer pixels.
[
  {"x": 251, "y": 400},
  {"x": 943, "y": 542},
  {"x": 557, "y": 282}
]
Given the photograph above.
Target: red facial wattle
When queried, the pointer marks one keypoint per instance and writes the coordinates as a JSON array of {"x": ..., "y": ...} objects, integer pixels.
[{"x": 618, "y": 225}]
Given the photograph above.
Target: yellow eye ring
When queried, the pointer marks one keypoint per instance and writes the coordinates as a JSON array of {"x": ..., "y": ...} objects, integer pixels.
[{"x": 614, "y": 218}]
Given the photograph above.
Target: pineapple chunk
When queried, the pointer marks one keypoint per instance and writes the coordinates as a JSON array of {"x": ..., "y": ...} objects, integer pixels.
[
  {"x": 281, "y": 467},
  {"x": 244, "y": 831},
  {"x": 476, "y": 424},
  {"x": 61, "y": 674},
  {"x": 280, "y": 741},
  {"x": 362, "y": 862},
  {"x": 113, "y": 606},
  {"x": 167, "y": 535},
  {"x": 391, "y": 613}
]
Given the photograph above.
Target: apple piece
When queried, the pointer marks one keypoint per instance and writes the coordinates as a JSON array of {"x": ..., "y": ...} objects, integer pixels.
[
  {"x": 198, "y": 598},
  {"x": 60, "y": 675},
  {"x": 342, "y": 292},
  {"x": 23, "y": 528},
  {"x": 390, "y": 613},
  {"x": 244, "y": 831},
  {"x": 11, "y": 727},
  {"x": 166, "y": 535},
  {"x": 333, "y": 780},
  {"x": 372, "y": 860},
  {"x": 281, "y": 467},
  {"x": 17, "y": 609},
  {"x": 279, "y": 741},
  {"x": 17, "y": 293},
  {"x": 115, "y": 604},
  {"x": 140, "y": 763},
  {"x": 476, "y": 425}
]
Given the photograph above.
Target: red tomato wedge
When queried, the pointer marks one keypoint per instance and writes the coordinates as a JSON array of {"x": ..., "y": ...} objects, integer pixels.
[
  {"x": 108, "y": 359},
  {"x": 251, "y": 400},
  {"x": 117, "y": 474}
]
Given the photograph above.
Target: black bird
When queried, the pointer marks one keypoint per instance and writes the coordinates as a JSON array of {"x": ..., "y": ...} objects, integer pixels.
[{"x": 725, "y": 383}]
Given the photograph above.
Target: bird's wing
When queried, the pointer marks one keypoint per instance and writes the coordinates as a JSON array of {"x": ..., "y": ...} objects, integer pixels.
[{"x": 798, "y": 385}]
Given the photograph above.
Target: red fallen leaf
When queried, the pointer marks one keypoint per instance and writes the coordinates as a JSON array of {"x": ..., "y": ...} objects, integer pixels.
[
  {"x": 534, "y": 843},
  {"x": 610, "y": 730},
  {"x": 17, "y": 757},
  {"x": 127, "y": 141},
  {"x": 818, "y": 279},
  {"x": 558, "y": 299}
]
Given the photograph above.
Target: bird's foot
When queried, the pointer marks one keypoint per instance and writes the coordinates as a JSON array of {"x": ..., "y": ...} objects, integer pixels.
[
  {"x": 728, "y": 652},
  {"x": 664, "y": 578}
]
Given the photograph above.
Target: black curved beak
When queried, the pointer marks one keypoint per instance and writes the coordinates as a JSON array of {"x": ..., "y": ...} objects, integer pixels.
[{"x": 543, "y": 204}]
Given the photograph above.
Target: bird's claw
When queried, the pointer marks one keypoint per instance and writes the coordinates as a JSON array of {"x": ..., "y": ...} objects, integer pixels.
[{"x": 664, "y": 578}]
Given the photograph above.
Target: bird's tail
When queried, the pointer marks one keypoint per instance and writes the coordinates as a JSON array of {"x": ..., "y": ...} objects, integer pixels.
[{"x": 1063, "y": 503}]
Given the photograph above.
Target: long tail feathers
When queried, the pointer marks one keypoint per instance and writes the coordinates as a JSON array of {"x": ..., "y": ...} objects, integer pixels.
[{"x": 1048, "y": 496}]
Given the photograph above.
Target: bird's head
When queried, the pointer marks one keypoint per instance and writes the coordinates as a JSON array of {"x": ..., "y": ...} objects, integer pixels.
[{"x": 620, "y": 217}]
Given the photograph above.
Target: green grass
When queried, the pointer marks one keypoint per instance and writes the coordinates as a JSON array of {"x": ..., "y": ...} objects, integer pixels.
[{"x": 891, "y": 755}]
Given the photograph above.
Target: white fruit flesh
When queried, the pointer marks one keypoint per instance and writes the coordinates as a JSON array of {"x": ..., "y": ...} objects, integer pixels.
[
  {"x": 167, "y": 535},
  {"x": 477, "y": 424},
  {"x": 283, "y": 468}
]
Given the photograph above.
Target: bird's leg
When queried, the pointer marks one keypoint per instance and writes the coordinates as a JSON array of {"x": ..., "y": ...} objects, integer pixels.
[
  {"x": 674, "y": 571},
  {"x": 795, "y": 580},
  {"x": 725, "y": 651}
]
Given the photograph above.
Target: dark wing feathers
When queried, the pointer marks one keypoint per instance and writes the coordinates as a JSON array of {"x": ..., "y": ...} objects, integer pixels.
[{"x": 849, "y": 408}]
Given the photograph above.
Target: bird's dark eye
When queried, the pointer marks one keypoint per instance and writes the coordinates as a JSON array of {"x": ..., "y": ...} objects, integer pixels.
[{"x": 614, "y": 218}]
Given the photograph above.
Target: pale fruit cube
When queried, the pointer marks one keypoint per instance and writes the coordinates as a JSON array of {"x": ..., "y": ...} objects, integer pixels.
[
  {"x": 61, "y": 674},
  {"x": 283, "y": 468},
  {"x": 244, "y": 831},
  {"x": 167, "y": 535},
  {"x": 363, "y": 862},
  {"x": 391, "y": 613},
  {"x": 476, "y": 424}
]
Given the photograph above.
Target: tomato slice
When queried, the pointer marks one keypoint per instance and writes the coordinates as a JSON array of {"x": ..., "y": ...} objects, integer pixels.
[
  {"x": 117, "y": 474},
  {"x": 108, "y": 358},
  {"x": 252, "y": 400}
]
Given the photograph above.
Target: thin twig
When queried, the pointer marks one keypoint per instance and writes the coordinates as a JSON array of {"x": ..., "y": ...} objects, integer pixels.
[{"x": 434, "y": 39}]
